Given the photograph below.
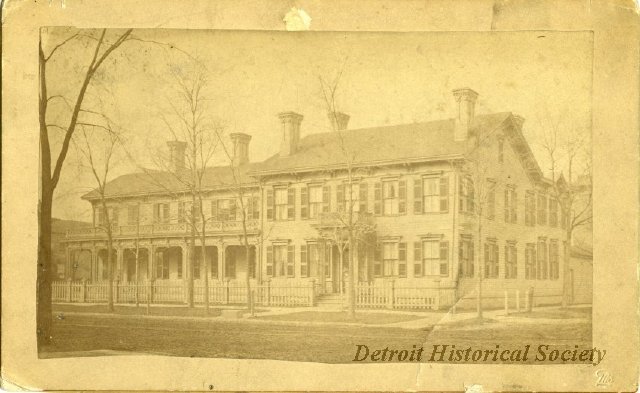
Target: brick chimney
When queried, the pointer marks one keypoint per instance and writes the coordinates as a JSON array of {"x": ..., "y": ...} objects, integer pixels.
[
  {"x": 176, "y": 154},
  {"x": 466, "y": 99},
  {"x": 240, "y": 148},
  {"x": 290, "y": 132},
  {"x": 339, "y": 121}
]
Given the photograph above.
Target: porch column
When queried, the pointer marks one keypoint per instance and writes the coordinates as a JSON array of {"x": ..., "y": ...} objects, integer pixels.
[
  {"x": 366, "y": 264},
  {"x": 151, "y": 262},
  {"x": 94, "y": 264},
  {"x": 221, "y": 261},
  {"x": 119, "y": 262},
  {"x": 68, "y": 263},
  {"x": 186, "y": 255}
]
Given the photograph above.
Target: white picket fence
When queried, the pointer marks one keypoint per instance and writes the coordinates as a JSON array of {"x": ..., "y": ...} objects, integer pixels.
[
  {"x": 368, "y": 295},
  {"x": 388, "y": 295},
  {"x": 167, "y": 292}
]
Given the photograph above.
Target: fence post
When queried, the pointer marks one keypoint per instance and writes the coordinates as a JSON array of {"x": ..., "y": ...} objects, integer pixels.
[
  {"x": 506, "y": 302},
  {"x": 150, "y": 296},
  {"x": 84, "y": 290},
  {"x": 226, "y": 292},
  {"x": 391, "y": 294},
  {"x": 268, "y": 292},
  {"x": 115, "y": 292},
  {"x": 518, "y": 300},
  {"x": 69, "y": 287},
  {"x": 312, "y": 297}
]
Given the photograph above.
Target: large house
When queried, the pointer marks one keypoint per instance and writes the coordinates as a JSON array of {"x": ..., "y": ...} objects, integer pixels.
[{"x": 439, "y": 204}]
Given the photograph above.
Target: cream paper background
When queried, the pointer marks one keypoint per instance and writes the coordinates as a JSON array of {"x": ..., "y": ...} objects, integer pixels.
[{"x": 615, "y": 168}]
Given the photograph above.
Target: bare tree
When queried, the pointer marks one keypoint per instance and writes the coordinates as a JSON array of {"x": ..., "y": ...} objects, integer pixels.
[
  {"x": 51, "y": 166},
  {"x": 191, "y": 126},
  {"x": 353, "y": 224},
  {"x": 567, "y": 148},
  {"x": 99, "y": 145},
  {"x": 244, "y": 196}
]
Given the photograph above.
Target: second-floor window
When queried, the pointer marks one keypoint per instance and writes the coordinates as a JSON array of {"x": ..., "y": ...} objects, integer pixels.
[
  {"x": 390, "y": 198},
  {"x": 101, "y": 218},
  {"x": 491, "y": 199},
  {"x": 510, "y": 205},
  {"x": 530, "y": 208},
  {"x": 281, "y": 203},
  {"x": 431, "y": 195},
  {"x": 132, "y": 214},
  {"x": 466, "y": 192},
  {"x": 161, "y": 213},
  {"x": 348, "y": 201},
  {"x": 542, "y": 209},
  {"x": 223, "y": 209}
]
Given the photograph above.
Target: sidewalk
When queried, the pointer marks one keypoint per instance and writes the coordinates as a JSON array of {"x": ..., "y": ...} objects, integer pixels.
[{"x": 430, "y": 319}]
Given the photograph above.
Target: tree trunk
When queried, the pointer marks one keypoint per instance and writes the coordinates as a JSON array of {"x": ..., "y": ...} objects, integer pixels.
[
  {"x": 480, "y": 271},
  {"x": 205, "y": 268},
  {"x": 351, "y": 290},
  {"x": 44, "y": 318},
  {"x": 565, "y": 268},
  {"x": 110, "y": 268}
]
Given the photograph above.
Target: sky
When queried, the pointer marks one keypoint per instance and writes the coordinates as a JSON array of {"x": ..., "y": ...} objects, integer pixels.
[{"x": 387, "y": 78}]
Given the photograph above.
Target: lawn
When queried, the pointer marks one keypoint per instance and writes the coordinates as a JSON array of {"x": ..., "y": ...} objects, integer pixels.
[
  {"x": 59, "y": 310},
  {"x": 368, "y": 318}
]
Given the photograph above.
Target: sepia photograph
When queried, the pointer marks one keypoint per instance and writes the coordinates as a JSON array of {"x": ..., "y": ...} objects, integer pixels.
[
  {"x": 282, "y": 195},
  {"x": 322, "y": 197}
]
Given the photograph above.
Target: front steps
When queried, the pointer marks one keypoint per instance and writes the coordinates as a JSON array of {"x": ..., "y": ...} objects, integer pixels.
[{"x": 331, "y": 301}]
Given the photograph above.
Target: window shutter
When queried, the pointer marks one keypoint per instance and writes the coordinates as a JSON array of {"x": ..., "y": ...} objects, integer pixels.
[
  {"x": 156, "y": 213},
  {"x": 417, "y": 195},
  {"x": 377, "y": 261},
  {"x": 214, "y": 210},
  {"x": 270, "y": 202},
  {"x": 364, "y": 197},
  {"x": 116, "y": 216},
  {"x": 444, "y": 194},
  {"x": 340, "y": 197},
  {"x": 402, "y": 197},
  {"x": 269, "y": 261},
  {"x": 326, "y": 199},
  {"x": 377, "y": 195},
  {"x": 291, "y": 253},
  {"x": 417, "y": 258},
  {"x": 402, "y": 259},
  {"x": 291, "y": 203},
  {"x": 304, "y": 261},
  {"x": 444, "y": 258},
  {"x": 304, "y": 202}
]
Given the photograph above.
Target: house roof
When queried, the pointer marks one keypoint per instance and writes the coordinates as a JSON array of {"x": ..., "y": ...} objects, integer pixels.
[
  {"x": 160, "y": 182},
  {"x": 426, "y": 141},
  {"x": 414, "y": 142}
]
